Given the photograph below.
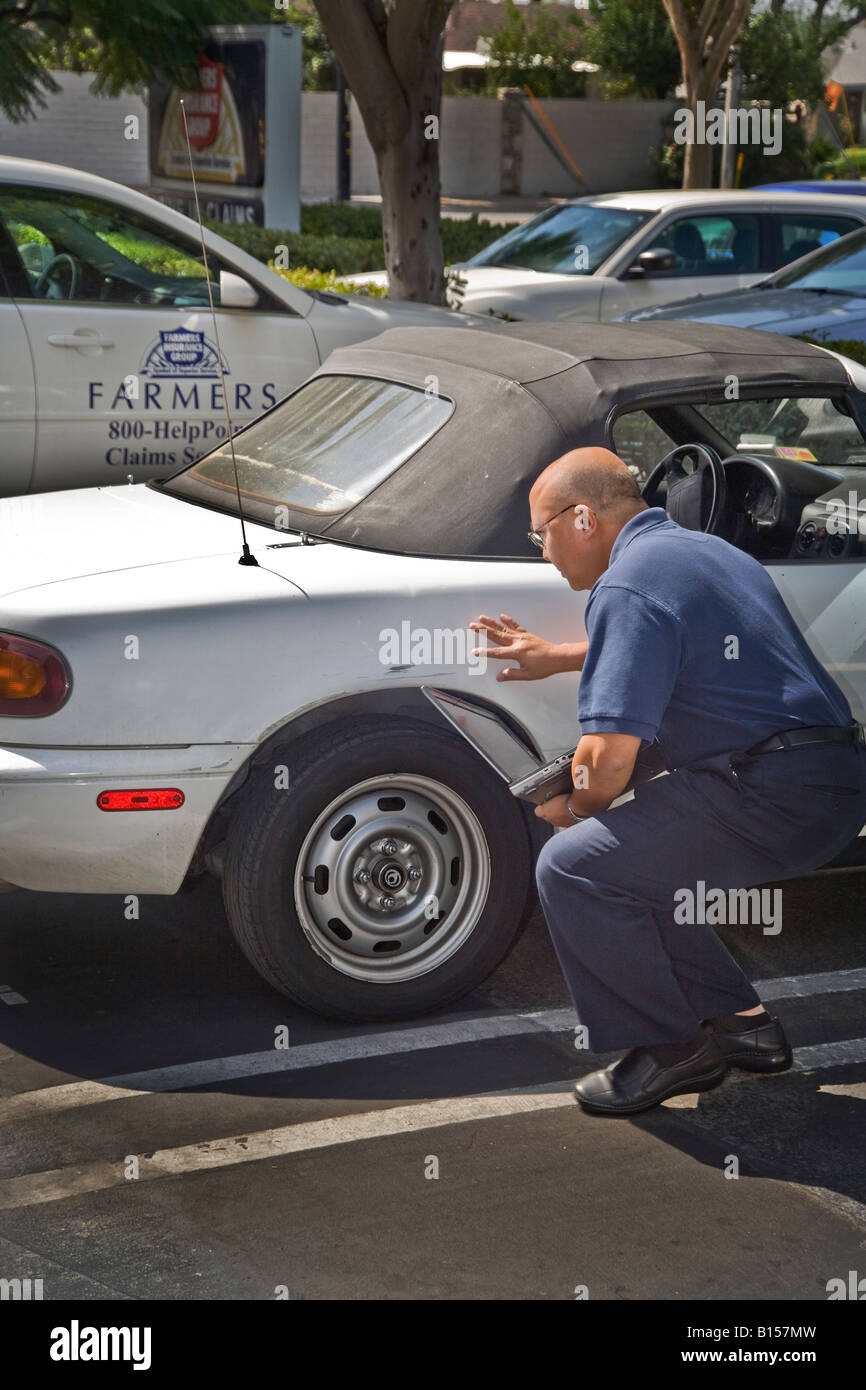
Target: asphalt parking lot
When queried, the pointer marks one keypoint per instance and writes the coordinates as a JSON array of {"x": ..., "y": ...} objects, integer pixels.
[{"x": 173, "y": 1129}]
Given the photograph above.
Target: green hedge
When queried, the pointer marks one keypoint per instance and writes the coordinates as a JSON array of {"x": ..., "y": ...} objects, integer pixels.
[
  {"x": 341, "y": 219},
  {"x": 309, "y": 279},
  {"x": 840, "y": 167},
  {"x": 344, "y": 239},
  {"x": 343, "y": 255}
]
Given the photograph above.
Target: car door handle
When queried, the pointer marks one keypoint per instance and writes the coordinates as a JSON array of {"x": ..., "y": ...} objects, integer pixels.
[{"x": 85, "y": 339}]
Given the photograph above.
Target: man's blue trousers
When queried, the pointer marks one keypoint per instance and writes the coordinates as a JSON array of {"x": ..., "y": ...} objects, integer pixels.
[{"x": 607, "y": 885}]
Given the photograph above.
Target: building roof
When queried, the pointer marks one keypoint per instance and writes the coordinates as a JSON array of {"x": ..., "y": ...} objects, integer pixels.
[{"x": 849, "y": 67}]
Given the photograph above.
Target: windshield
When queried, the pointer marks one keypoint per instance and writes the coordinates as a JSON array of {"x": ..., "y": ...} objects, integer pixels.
[
  {"x": 572, "y": 240},
  {"x": 814, "y": 429},
  {"x": 839, "y": 267},
  {"x": 320, "y": 451}
]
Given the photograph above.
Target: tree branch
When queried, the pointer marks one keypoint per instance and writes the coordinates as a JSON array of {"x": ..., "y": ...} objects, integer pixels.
[
  {"x": 729, "y": 30},
  {"x": 682, "y": 27},
  {"x": 413, "y": 26},
  {"x": 704, "y": 27}
]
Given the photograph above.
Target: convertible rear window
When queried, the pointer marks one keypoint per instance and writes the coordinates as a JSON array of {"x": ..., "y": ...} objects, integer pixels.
[{"x": 326, "y": 447}]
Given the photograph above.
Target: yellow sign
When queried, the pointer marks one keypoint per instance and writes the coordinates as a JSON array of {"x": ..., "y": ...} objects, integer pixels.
[{"x": 214, "y": 131}]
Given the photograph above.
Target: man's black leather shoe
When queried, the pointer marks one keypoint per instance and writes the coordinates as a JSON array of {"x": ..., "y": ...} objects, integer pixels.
[
  {"x": 762, "y": 1048},
  {"x": 639, "y": 1080}
]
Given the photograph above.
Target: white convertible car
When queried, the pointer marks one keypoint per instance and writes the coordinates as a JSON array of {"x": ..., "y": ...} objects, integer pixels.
[{"x": 166, "y": 710}]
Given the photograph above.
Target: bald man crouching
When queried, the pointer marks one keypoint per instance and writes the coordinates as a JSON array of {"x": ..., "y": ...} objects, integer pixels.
[{"x": 767, "y": 781}]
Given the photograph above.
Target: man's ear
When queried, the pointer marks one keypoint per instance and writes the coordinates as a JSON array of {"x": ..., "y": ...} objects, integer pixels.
[{"x": 582, "y": 519}]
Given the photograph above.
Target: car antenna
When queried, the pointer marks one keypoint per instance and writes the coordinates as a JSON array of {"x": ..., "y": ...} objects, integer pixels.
[{"x": 247, "y": 558}]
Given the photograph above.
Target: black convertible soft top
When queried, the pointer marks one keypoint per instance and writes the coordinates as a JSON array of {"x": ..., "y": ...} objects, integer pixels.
[{"x": 524, "y": 393}]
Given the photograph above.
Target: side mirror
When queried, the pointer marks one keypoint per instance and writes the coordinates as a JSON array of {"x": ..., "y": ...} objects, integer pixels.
[
  {"x": 652, "y": 261},
  {"x": 235, "y": 292}
]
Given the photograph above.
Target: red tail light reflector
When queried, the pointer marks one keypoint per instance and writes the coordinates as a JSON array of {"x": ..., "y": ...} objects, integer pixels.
[
  {"x": 34, "y": 678},
  {"x": 151, "y": 799}
]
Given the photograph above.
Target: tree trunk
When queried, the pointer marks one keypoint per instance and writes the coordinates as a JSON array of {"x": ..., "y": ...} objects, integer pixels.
[
  {"x": 698, "y": 162},
  {"x": 391, "y": 53},
  {"x": 704, "y": 45},
  {"x": 411, "y": 188}
]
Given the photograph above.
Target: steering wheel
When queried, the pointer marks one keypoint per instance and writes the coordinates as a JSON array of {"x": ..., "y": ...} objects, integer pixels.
[
  {"x": 45, "y": 277},
  {"x": 696, "y": 496}
]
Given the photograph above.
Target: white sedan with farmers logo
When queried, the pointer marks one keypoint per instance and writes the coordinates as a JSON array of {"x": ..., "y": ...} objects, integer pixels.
[
  {"x": 165, "y": 710},
  {"x": 108, "y": 359}
]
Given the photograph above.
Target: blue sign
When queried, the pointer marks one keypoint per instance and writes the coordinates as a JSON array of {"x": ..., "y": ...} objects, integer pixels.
[{"x": 182, "y": 352}]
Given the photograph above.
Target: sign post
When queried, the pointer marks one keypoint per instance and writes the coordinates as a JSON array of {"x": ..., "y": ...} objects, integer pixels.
[{"x": 344, "y": 141}]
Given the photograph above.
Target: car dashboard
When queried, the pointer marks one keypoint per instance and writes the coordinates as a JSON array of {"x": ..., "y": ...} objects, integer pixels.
[{"x": 789, "y": 509}]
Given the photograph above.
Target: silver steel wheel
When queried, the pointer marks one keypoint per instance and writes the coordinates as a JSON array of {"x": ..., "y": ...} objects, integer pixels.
[{"x": 392, "y": 878}]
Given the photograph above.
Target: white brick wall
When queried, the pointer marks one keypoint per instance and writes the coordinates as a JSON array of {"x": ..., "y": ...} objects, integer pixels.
[
  {"x": 318, "y": 146},
  {"x": 319, "y": 149},
  {"x": 83, "y": 131},
  {"x": 469, "y": 153},
  {"x": 609, "y": 141},
  {"x": 469, "y": 140}
]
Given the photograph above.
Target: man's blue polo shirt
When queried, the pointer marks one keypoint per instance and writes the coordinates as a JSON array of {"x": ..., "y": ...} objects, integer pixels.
[{"x": 691, "y": 642}]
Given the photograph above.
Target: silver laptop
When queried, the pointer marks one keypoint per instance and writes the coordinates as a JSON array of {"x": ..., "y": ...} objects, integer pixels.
[{"x": 513, "y": 758}]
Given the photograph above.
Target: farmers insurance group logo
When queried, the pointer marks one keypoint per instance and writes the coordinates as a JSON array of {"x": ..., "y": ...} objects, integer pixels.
[
  {"x": 215, "y": 131},
  {"x": 182, "y": 352}
]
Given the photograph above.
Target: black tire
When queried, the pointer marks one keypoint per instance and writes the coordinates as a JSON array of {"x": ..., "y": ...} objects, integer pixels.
[{"x": 292, "y": 947}]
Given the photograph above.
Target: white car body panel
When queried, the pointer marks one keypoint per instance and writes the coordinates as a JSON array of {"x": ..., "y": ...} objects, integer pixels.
[
  {"x": 17, "y": 401},
  {"x": 828, "y": 603},
  {"x": 227, "y": 654},
  {"x": 363, "y": 317},
  {"x": 53, "y": 827},
  {"x": 187, "y": 611}
]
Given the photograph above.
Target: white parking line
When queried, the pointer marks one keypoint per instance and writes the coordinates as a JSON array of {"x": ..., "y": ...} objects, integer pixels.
[
  {"x": 806, "y": 1059},
  {"x": 798, "y": 986},
  {"x": 351, "y": 1049},
  {"x": 71, "y": 1096},
  {"x": 9, "y": 996},
  {"x": 214, "y": 1070},
  {"x": 56, "y": 1184},
  {"x": 32, "y": 1189},
  {"x": 301, "y": 1058}
]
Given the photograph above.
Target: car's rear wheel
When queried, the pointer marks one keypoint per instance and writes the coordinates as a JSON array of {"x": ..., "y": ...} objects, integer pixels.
[{"x": 383, "y": 874}]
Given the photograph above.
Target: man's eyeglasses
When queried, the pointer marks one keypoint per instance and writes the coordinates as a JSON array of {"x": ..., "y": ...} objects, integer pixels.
[{"x": 537, "y": 537}]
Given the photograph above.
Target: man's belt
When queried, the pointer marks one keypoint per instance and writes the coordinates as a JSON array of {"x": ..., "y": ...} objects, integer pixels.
[{"x": 819, "y": 733}]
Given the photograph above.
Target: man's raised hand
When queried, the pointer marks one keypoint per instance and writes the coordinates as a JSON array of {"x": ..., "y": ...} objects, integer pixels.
[{"x": 535, "y": 657}]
